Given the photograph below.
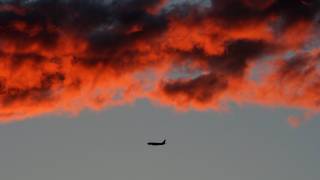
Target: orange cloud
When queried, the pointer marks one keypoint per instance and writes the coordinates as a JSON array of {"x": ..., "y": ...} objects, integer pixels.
[{"x": 95, "y": 55}]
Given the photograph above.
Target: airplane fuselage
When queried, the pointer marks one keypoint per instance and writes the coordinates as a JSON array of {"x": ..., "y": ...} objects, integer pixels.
[{"x": 157, "y": 143}]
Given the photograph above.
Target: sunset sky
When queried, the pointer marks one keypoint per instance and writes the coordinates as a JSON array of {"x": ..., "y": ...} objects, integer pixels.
[{"x": 234, "y": 86}]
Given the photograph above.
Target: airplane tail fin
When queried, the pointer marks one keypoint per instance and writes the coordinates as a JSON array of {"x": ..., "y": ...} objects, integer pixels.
[{"x": 164, "y": 141}]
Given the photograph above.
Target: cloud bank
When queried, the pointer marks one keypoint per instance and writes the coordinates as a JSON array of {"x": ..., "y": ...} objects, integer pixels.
[{"x": 66, "y": 55}]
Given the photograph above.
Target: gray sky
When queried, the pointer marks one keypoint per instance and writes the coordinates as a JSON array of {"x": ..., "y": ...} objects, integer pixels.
[{"x": 247, "y": 143}]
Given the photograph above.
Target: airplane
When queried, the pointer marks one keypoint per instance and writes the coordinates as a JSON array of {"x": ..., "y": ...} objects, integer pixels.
[{"x": 157, "y": 143}]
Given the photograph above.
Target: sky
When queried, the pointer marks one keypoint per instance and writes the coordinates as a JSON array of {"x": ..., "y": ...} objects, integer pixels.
[{"x": 231, "y": 84}]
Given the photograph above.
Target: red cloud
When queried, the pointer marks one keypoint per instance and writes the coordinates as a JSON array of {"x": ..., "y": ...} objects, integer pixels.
[{"x": 94, "y": 55}]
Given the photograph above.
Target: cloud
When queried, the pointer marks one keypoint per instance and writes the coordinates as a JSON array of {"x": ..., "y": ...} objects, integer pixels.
[
  {"x": 296, "y": 122},
  {"x": 59, "y": 55}
]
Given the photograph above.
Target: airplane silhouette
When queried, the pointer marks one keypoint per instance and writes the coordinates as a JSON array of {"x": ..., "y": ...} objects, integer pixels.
[{"x": 157, "y": 143}]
